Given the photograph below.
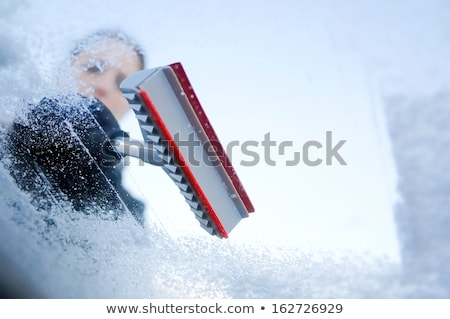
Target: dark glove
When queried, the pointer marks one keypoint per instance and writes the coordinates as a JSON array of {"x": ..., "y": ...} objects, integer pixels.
[{"x": 69, "y": 139}]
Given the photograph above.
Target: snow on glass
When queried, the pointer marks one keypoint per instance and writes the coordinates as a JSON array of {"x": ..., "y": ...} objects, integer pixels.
[{"x": 84, "y": 256}]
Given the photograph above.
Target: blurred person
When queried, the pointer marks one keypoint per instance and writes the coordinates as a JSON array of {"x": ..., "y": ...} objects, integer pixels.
[
  {"x": 101, "y": 61},
  {"x": 67, "y": 138}
]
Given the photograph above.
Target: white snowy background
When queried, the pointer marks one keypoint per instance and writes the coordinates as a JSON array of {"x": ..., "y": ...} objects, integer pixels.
[{"x": 375, "y": 73}]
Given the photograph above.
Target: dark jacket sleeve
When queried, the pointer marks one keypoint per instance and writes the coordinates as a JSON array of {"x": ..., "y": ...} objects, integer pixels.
[
  {"x": 109, "y": 161},
  {"x": 68, "y": 138}
]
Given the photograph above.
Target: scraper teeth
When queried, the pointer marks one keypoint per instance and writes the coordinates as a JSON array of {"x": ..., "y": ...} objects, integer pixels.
[
  {"x": 182, "y": 186},
  {"x": 203, "y": 222},
  {"x": 208, "y": 229},
  {"x": 148, "y": 128},
  {"x": 172, "y": 168},
  {"x": 154, "y": 138},
  {"x": 142, "y": 117},
  {"x": 130, "y": 96},
  {"x": 170, "y": 160},
  {"x": 193, "y": 204},
  {"x": 191, "y": 199},
  {"x": 161, "y": 149},
  {"x": 176, "y": 177},
  {"x": 135, "y": 106},
  {"x": 198, "y": 212},
  {"x": 187, "y": 195}
]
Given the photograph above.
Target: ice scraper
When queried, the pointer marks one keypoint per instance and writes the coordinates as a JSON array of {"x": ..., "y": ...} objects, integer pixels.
[{"x": 179, "y": 137}]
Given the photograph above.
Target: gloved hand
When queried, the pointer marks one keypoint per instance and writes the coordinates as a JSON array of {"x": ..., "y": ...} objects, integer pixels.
[{"x": 68, "y": 138}]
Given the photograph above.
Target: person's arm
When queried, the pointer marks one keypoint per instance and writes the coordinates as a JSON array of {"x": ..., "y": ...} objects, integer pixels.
[{"x": 68, "y": 140}]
